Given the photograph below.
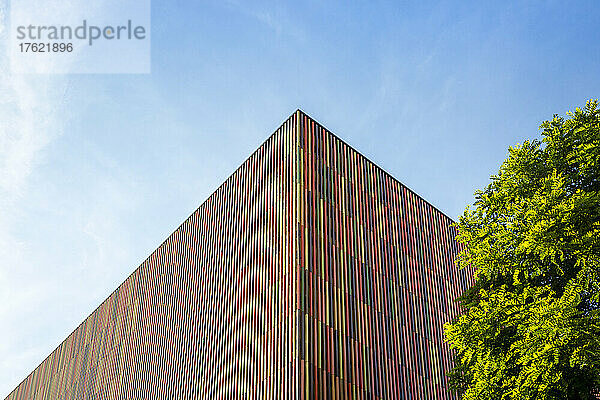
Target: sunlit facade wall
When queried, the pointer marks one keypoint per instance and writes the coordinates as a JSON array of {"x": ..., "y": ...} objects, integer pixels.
[
  {"x": 376, "y": 278},
  {"x": 309, "y": 273}
]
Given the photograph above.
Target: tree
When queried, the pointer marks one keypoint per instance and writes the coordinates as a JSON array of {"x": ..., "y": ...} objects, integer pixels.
[{"x": 531, "y": 322}]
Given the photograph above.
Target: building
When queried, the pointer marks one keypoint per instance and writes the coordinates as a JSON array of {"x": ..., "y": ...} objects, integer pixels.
[{"x": 309, "y": 273}]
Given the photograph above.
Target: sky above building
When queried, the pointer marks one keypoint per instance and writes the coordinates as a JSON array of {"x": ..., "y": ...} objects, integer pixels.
[{"x": 97, "y": 170}]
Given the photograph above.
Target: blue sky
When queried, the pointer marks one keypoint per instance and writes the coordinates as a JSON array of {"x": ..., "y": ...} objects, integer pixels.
[{"x": 97, "y": 170}]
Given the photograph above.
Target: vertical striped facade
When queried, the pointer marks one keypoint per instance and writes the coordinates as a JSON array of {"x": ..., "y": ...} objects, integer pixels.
[
  {"x": 377, "y": 278},
  {"x": 310, "y": 273}
]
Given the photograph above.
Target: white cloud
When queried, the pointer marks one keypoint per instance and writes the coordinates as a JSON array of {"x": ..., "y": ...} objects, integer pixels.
[{"x": 30, "y": 118}]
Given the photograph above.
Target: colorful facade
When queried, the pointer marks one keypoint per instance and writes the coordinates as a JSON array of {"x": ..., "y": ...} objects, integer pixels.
[{"x": 310, "y": 273}]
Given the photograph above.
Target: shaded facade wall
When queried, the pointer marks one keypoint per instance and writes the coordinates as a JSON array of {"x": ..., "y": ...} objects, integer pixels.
[
  {"x": 210, "y": 314},
  {"x": 376, "y": 275}
]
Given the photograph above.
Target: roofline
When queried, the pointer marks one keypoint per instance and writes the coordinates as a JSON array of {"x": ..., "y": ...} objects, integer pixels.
[{"x": 374, "y": 164}]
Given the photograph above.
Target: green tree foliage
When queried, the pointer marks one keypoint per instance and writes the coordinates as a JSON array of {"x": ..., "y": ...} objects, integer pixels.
[{"x": 531, "y": 322}]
